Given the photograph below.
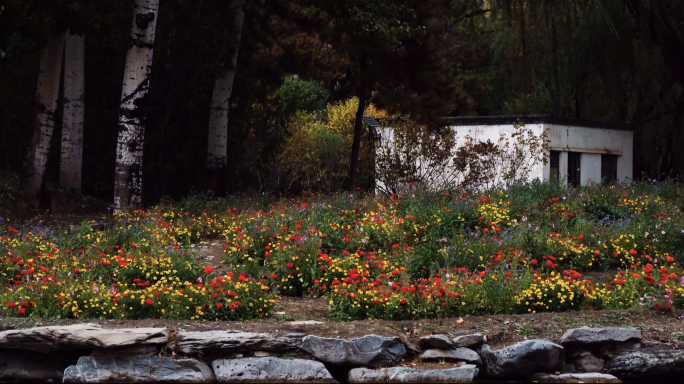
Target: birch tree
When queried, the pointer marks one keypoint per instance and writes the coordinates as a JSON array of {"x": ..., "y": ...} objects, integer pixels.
[
  {"x": 72, "y": 123},
  {"x": 217, "y": 153},
  {"x": 132, "y": 114},
  {"x": 44, "y": 121}
]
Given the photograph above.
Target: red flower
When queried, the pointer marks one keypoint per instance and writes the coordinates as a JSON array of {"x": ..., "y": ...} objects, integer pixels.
[
  {"x": 533, "y": 261},
  {"x": 273, "y": 276},
  {"x": 267, "y": 254},
  {"x": 157, "y": 293},
  {"x": 231, "y": 306},
  {"x": 149, "y": 302},
  {"x": 208, "y": 270},
  {"x": 75, "y": 270},
  {"x": 21, "y": 311},
  {"x": 24, "y": 304},
  {"x": 11, "y": 304},
  {"x": 632, "y": 252},
  {"x": 164, "y": 288},
  {"x": 219, "y": 305}
]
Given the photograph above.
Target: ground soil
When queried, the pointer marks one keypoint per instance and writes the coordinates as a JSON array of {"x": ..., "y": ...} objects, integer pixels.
[{"x": 310, "y": 316}]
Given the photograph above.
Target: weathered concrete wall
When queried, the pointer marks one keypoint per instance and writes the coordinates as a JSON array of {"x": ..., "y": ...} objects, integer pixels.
[
  {"x": 567, "y": 138},
  {"x": 591, "y": 142}
]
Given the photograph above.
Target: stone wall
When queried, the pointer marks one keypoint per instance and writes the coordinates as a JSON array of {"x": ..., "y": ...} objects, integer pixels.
[{"x": 87, "y": 353}]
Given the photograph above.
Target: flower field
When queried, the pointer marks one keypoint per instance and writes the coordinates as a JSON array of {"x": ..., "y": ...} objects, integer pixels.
[{"x": 532, "y": 248}]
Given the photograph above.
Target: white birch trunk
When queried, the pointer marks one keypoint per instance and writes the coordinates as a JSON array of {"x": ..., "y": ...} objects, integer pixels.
[
  {"x": 72, "y": 123},
  {"x": 129, "y": 147},
  {"x": 44, "y": 122},
  {"x": 217, "y": 159}
]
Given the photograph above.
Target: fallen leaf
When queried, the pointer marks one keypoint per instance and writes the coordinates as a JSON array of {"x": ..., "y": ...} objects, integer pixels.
[{"x": 460, "y": 320}]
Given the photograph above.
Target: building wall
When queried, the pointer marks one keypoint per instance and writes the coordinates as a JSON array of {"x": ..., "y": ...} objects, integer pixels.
[{"x": 591, "y": 142}]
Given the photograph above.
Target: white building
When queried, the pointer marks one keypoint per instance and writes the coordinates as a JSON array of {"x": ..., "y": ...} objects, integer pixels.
[{"x": 580, "y": 150}]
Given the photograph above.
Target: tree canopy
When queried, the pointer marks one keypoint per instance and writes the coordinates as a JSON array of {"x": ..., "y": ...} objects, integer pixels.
[{"x": 605, "y": 59}]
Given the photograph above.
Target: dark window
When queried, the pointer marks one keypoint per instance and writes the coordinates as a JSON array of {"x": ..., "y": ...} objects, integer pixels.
[
  {"x": 555, "y": 166},
  {"x": 574, "y": 168},
  {"x": 609, "y": 168}
]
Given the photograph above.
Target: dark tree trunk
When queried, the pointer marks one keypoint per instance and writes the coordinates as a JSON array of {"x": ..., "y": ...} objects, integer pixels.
[{"x": 44, "y": 120}]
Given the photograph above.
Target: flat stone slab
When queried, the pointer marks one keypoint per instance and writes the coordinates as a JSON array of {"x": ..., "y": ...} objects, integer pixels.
[
  {"x": 270, "y": 370},
  {"x": 648, "y": 364},
  {"x": 468, "y": 341},
  {"x": 80, "y": 336},
  {"x": 462, "y": 374},
  {"x": 137, "y": 369},
  {"x": 592, "y": 377},
  {"x": 437, "y": 341},
  {"x": 192, "y": 343},
  {"x": 591, "y": 337},
  {"x": 522, "y": 359},
  {"x": 451, "y": 355},
  {"x": 366, "y": 351}
]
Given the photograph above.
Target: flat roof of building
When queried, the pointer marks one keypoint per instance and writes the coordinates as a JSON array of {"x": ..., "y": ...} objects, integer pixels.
[
  {"x": 541, "y": 119},
  {"x": 530, "y": 119}
]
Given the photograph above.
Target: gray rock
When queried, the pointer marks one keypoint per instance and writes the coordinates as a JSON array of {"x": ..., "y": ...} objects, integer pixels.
[
  {"x": 462, "y": 374},
  {"x": 609, "y": 350},
  {"x": 647, "y": 364},
  {"x": 212, "y": 342},
  {"x": 266, "y": 354},
  {"x": 414, "y": 345},
  {"x": 270, "y": 370},
  {"x": 80, "y": 336},
  {"x": 574, "y": 378},
  {"x": 522, "y": 359},
  {"x": 436, "y": 341},
  {"x": 589, "y": 363},
  {"x": 137, "y": 369},
  {"x": 568, "y": 368},
  {"x": 366, "y": 351},
  {"x": 586, "y": 337},
  {"x": 469, "y": 341},
  {"x": 451, "y": 355},
  {"x": 33, "y": 366}
]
